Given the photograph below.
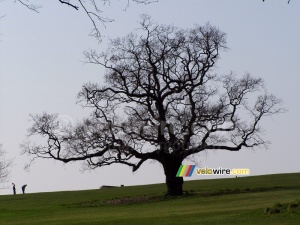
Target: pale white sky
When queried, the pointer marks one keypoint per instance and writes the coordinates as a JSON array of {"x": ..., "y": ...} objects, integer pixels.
[{"x": 42, "y": 69}]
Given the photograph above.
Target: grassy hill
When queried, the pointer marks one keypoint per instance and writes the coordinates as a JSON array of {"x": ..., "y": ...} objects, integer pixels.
[{"x": 269, "y": 199}]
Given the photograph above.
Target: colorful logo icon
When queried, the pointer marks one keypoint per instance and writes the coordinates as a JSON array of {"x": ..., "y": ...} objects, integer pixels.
[{"x": 185, "y": 170}]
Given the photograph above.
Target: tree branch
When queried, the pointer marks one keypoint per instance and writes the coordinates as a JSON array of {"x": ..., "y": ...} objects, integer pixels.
[
  {"x": 69, "y": 4},
  {"x": 32, "y": 7}
]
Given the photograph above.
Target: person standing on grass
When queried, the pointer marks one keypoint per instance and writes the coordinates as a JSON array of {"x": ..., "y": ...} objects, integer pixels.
[
  {"x": 14, "y": 188},
  {"x": 23, "y": 188}
]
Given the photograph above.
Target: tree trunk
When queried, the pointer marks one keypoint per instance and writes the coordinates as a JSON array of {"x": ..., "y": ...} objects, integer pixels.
[{"x": 174, "y": 184}]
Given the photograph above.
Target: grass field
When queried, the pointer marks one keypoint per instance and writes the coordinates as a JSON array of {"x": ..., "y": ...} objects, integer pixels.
[{"x": 214, "y": 202}]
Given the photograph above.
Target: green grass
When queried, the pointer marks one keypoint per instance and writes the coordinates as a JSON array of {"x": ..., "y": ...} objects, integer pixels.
[{"x": 246, "y": 200}]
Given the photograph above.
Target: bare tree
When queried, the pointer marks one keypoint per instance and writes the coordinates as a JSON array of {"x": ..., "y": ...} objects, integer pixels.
[
  {"x": 5, "y": 166},
  {"x": 161, "y": 101}
]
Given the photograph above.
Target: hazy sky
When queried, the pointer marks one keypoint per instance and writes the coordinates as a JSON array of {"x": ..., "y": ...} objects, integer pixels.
[{"x": 42, "y": 69}]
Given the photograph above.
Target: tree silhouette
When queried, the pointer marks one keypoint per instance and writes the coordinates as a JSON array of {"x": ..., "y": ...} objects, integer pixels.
[
  {"x": 5, "y": 165},
  {"x": 161, "y": 101}
]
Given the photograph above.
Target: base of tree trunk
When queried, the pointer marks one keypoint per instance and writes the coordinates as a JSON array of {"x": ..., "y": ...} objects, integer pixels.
[{"x": 174, "y": 185}]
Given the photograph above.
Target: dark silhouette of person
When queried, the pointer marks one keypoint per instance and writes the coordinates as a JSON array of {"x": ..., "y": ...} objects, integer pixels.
[
  {"x": 14, "y": 188},
  {"x": 23, "y": 188}
]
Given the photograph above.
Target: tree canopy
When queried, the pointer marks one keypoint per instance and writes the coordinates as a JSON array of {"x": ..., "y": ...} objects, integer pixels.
[{"x": 162, "y": 100}]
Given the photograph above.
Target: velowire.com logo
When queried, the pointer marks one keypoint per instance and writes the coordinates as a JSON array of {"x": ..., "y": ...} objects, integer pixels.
[{"x": 187, "y": 171}]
